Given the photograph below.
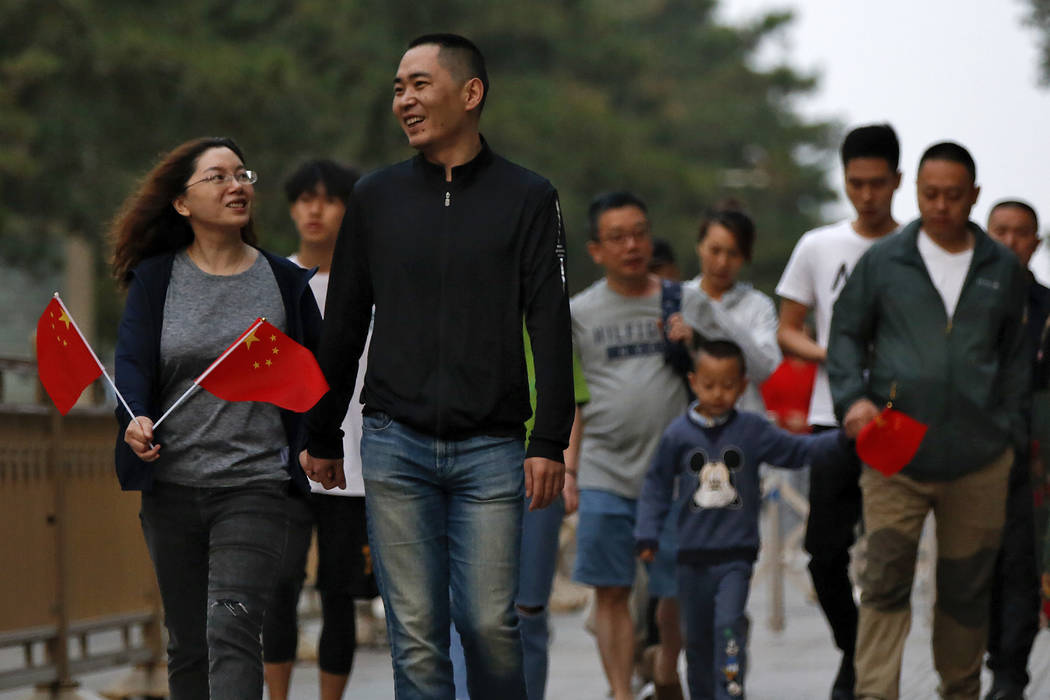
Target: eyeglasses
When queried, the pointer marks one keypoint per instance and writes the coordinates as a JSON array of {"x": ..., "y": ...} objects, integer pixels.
[
  {"x": 244, "y": 177},
  {"x": 620, "y": 238}
]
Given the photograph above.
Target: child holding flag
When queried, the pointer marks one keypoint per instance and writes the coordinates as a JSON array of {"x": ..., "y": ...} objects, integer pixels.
[{"x": 217, "y": 475}]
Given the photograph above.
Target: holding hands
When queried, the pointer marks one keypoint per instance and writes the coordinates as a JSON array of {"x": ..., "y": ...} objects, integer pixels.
[
  {"x": 327, "y": 472},
  {"x": 862, "y": 412}
]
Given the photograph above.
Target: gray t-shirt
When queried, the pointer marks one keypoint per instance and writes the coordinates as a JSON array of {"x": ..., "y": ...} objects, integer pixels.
[
  {"x": 634, "y": 393},
  {"x": 207, "y": 441}
]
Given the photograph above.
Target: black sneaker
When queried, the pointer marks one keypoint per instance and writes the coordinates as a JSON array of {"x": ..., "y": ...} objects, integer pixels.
[{"x": 844, "y": 681}]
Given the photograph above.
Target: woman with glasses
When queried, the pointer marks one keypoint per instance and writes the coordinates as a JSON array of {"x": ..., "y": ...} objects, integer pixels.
[{"x": 215, "y": 476}]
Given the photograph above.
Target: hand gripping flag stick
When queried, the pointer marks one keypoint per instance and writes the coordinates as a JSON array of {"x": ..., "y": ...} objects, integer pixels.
[
  {"x": 197, "y": 382},
  {"x": 66, "y": 369}
]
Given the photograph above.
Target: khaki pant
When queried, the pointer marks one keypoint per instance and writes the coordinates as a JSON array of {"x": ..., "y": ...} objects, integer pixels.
[{"x": 969, "y": 513}]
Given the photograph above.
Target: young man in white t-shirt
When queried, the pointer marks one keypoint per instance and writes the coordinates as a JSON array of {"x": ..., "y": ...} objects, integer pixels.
[
  {"x": 818, "y": 269},
  {"x": 317, "y": 193}
]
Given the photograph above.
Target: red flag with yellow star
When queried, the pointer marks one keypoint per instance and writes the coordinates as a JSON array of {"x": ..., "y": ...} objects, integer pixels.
[
  {"x": 266, "y": 365},
  {"x": 64, "y": 361}
]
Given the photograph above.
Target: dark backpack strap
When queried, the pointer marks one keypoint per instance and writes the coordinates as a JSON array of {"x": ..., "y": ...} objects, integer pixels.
[
  {"x": 670, "y": 300},
  {"x": 676, "y": 355}
]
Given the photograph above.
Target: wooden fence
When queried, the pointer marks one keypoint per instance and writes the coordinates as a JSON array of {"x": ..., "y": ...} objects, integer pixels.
[{"x": 77, "y": 591}]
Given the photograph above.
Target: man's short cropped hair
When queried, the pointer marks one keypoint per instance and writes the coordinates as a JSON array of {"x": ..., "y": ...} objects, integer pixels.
[
  {"x": 872, "y": 141},
  {"x": 953, "y": 152},
  {"x": 723, "y": 349},
  {"x": 338, "y": 180},
  {"x": 460, "y": 57},
  {"x": 611, "y": 200},
  {"x": 1016, "y": 204}
]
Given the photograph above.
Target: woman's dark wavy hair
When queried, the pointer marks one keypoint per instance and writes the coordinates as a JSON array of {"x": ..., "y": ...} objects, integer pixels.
[{"x": 147, "y": 223}]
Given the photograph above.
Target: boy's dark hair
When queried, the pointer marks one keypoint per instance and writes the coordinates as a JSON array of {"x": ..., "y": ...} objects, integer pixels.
[
  {"x": 611, "y": 200},
  {"x": 338, "y": 180},
  {"x": 736, "y": 222},
  {"x": 953, "y": 152},
  {"x": 663, "y": 253},
  {"x": 722, "y": 350},
  {"x": 872, "y": 141},
  {"x": 1017, "y": 204},
  {"x": 460, "y": 57}
]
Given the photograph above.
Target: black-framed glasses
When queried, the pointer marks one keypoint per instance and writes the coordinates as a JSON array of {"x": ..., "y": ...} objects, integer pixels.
[
  {"x": 244, "y": 177},
  {"x": 620, "y": 238}
]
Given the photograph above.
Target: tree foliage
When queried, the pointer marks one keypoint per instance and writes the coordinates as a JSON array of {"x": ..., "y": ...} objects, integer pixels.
[
  {"x": 650, "y": 95},
  {"x": 1039, "y": 17}
]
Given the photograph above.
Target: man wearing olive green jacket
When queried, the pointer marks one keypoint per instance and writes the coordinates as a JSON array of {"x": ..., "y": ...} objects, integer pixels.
[{"x": 933, "y": 319}]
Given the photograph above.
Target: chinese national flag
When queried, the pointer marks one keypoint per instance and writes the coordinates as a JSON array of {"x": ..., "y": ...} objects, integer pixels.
[
  {"x": 267, "y": 366},
  {"x": 890, "y": 441},
  {"x": 64, "y": 362}
]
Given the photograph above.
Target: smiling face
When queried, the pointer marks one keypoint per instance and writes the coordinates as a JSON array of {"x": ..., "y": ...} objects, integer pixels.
[
  {"x": 318, "y": 215},
  {"x": 435, "y": 110},
  {"x": 226, "y": 206}
]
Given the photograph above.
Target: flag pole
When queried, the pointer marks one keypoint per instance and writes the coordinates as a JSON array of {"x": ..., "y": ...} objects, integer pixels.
[
  {"x": 102, "y": 367},
  {"x": 212, "y": 366}
]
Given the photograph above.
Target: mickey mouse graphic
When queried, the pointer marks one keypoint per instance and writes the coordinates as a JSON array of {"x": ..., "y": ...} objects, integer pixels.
[{"x": 716, "y": 489}]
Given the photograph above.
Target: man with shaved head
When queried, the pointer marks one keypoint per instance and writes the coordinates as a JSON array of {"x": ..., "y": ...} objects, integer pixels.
[
  {"x": 1014, "y": 618},
  {"x": 453, "y": 248}
]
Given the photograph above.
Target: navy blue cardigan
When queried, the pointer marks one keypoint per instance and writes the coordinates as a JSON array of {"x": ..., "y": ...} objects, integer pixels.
[{"x": 138, "y": 356}]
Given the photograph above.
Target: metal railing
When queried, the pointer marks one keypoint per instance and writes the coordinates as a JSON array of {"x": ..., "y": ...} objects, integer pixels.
[{"x": 77, "y": 592}]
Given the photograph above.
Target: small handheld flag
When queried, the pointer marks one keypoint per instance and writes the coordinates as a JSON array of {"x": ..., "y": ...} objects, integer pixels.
[
  {"x": 266, "y": 365},
  {"x": 263, "y": 364},
  {"x": 65, "y": 362},
  {"x": 890, "y": 441}
]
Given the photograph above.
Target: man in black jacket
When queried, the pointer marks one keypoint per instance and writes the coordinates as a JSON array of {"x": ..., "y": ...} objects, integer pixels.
[
  {"x": 452, "y": 248},
  {"x": 1014, "y": 619}
]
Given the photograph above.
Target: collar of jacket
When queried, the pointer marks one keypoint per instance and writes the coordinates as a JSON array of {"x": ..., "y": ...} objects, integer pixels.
[
  {"x": 461, "y": 173},
  {"x": 906, "y": 245},
  {"x": 732, "y": 296}
]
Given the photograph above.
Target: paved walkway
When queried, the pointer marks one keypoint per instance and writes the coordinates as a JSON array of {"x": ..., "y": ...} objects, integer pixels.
[{"x": 797, "y": 663}]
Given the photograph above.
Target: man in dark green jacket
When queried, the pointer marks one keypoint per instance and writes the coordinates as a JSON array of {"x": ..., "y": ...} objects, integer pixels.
[{"x": 933, "y": 320}]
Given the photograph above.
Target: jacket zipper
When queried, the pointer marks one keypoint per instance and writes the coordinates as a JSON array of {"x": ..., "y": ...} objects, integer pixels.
[{"x": 442, "y": 260}]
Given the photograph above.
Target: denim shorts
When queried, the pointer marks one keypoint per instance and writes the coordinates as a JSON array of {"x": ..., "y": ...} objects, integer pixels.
[
  {"x": 663, "y": 576},
  {"x": 605, "y": 550}
]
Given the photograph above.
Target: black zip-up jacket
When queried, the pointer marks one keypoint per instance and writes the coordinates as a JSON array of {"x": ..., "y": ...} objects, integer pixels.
[{"x": 451, "y": 268}]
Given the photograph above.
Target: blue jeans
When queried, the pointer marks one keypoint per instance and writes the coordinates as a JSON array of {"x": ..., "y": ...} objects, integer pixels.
[
  {"x": 216, "y": 553},
  {"x": 539, "y": 560},
  {"x": 445, "y": 515},
  {"x": 713, "y": 601}
]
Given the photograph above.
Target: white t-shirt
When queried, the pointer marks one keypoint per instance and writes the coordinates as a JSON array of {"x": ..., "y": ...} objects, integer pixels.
[
  {"x": 815, "y": 274},
  {"x": 947, "y": 270},
  {"x": 355, "y": 485}
]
